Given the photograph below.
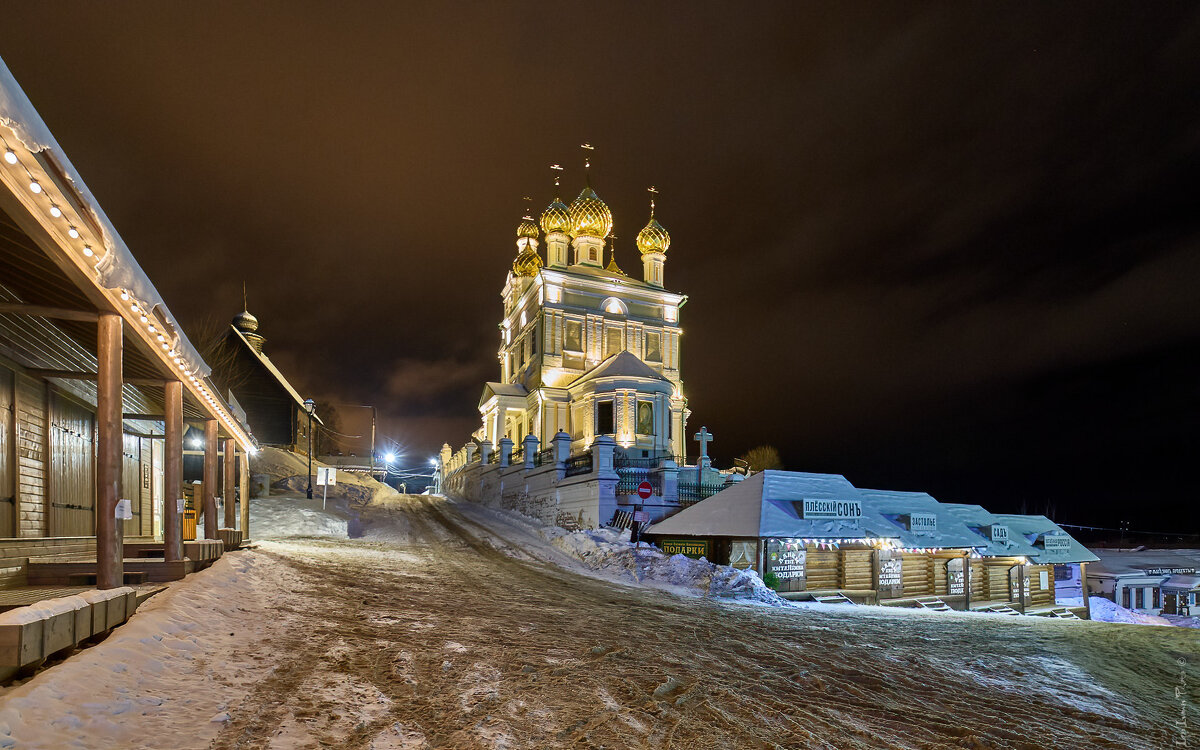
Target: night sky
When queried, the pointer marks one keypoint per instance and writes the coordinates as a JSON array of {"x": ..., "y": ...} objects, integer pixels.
[{"x": 951, "y": 248}]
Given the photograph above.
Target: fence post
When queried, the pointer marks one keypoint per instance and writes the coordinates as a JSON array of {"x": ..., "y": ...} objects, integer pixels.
[
  {"x": 606, "y": 477},
  {"x": 562, "y": 451},
  {"x": 470, "y": 449},
  {"x": 485, "y": 452},
  {"x": 531, "y": 450},
  {"x": 670, "y": 481},
  {"x": 505, "y": 451}
]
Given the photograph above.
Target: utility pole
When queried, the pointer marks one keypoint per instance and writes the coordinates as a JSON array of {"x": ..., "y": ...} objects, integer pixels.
[{"x": 309, "y": 406}]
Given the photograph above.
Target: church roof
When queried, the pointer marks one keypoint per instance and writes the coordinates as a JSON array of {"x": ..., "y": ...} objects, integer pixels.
[
  {"x": 621, "y": 365},
  {"x": 502, "y": 389},
  {"x": 605, "y": 274},
  {"x": 270, "y": 367}
]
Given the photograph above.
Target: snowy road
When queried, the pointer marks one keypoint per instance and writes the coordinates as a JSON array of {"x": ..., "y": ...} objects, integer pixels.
[{"x": 433, "y": 631}]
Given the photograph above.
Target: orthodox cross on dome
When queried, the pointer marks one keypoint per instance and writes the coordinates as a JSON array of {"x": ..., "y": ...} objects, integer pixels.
[
  {"x": 557, "y": 174},
  {"x": 587, "y": 161},
  {"x": 653, "y": 191}
]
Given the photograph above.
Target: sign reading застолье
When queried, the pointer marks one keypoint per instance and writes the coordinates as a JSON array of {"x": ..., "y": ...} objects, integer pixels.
[{"x": 830, "y": 509}]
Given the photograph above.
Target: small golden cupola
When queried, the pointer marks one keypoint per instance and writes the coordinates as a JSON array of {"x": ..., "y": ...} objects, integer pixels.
[
  {"x": 556, "y": 223},
  {"x": 653, "y": 242},
  {"x": 527, "y": 262},
  {"x": 591, "y": 221}
]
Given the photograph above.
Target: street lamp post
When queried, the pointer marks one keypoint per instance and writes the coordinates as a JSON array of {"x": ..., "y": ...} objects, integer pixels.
[{"x": 309, "y": 406}]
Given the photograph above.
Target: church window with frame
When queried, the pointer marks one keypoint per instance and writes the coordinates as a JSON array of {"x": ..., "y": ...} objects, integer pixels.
[
  {"x": 573, "y": 336},
  {"x": 653, "y": 346},
  {"x": 645, "y": 417},
  {"x": 614, "y": 341},
  {"x": 605, "y": 423}
]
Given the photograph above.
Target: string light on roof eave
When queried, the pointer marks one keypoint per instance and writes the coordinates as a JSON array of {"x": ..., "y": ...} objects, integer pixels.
[{"x": 84, "y": 245}]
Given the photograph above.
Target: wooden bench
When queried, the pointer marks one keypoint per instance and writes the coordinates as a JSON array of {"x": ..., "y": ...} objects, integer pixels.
[{"x": 29, "y": 635}]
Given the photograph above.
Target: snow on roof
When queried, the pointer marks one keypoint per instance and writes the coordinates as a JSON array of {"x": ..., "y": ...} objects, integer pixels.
[
  {"x": 768, "y": 504},
  {"x": 764, "y": 505},
  {"x": 1140, "y": 561},
  {"x": 951, "y": 533},
  {"x": 266, "y": 362},
  {"x": 620, "y": 365},
  {"x": 117, "y": 269}
]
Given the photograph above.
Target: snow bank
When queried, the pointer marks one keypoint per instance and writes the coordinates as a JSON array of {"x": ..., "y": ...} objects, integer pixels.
[
  {"x": 294, "y": 515},
  {"x": 289, "y": 473},
  {"x": 1104, "y": 610},
  {"x": 611, "y": 551}
]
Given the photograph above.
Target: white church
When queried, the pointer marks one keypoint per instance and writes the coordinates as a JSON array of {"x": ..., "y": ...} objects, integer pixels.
[
  {"x": 588, "y": 419},
  {"x": 584, "y": 348}
]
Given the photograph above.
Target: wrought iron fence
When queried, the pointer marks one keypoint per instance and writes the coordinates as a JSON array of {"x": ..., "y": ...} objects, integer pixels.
[
  {"x": 651, "y": 462},
  {"x": 518, "y": 455},
  {"x": 494, "y": 457},
  {"x": 631, "y": 479},
  {"x": 581, "y": 464},
  {"x": 694, "y": 492},
  {"x": 544, "y": 457}
]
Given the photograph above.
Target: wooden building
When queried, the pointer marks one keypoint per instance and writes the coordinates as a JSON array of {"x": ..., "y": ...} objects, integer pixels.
[
  {"x": 271, "y": 404},
  {"x": 816, "y": 536},
  {"x": 96, "y": 377}
]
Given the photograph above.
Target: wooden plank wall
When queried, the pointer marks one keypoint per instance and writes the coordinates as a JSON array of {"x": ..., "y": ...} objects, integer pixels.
[
  {"x": 31, "y": 456},
  {"x": 131, "y": 481},
  {"x": 822, "y": 569},
  {"x": 72, "y": 468},
  {"x": 146, "y": 486},
  {"x": 856, "y": 571}
]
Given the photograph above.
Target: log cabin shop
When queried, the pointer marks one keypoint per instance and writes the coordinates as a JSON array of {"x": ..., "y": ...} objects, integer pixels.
[{"x": 821, "y": 536}]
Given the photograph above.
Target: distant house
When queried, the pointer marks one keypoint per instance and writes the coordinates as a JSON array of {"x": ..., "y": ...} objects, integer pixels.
[
  {"x": 272, "y": 405},
  {"x": 1157, "y": 581}
]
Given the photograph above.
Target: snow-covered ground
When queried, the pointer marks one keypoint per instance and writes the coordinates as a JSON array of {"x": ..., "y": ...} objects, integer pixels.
[{"x": 443, "y": 625}]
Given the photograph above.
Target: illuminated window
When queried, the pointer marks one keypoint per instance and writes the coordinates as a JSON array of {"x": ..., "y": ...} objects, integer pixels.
[
  {"x": 614, "y": 306},
  {"x": 591, "y": 253},
  {"x": 523, "y": 319},
  {"x": 670, "y": 313},
  {"x": 613, "y": 341}
]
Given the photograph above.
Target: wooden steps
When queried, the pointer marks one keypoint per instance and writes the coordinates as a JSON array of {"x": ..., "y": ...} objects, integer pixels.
[
  {"x": 933, "y": 603},
  {"x": 834, "y": 599},
  {"x": 82, "y": 572}
]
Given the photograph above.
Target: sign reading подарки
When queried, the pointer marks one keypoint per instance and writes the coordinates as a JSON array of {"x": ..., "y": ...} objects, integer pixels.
[{"x": 831, "y": 509}]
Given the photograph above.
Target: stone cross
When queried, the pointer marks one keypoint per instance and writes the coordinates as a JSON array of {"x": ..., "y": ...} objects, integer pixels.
[{"x": 705, "y": 437}]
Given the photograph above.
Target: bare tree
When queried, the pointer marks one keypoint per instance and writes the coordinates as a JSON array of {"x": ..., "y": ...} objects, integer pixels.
[
  {"x": 213, "y": 339},
  {"x": 762, "y": 457}
]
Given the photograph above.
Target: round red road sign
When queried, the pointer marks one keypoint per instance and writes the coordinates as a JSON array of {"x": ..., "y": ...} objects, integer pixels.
[{"x": 645, "y": 490}]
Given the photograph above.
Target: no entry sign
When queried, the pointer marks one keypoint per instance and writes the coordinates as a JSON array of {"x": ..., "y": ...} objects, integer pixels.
[{"x": 645, "y": 490}]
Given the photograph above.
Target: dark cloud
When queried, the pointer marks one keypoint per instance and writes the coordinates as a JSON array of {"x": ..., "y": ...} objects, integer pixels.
[{"x": 950, "y": 248}]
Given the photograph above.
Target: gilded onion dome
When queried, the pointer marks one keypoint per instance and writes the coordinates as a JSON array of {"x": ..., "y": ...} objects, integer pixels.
[
  {"x": 556, "y": 218},
  {"x": 653, "y": 238},
  {"x": 527, "y": 262},
  {"x": 527, "y": 228},
  {"x": 590, "y": 216}
]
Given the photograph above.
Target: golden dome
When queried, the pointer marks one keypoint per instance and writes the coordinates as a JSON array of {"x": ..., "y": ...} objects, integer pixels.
[
  {"x": 527, "y": 228},
  {"x": 527, "y": 263},
  {"x": 556, "y": 218},
  {"x": 653, "y": 238},
  {"x": 590, "y": 216}
]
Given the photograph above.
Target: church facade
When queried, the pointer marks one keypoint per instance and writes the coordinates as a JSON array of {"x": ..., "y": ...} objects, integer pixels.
[{"x": 586, "y": 349}]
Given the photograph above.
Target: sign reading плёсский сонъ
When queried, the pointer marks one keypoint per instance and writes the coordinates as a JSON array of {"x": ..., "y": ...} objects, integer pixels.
[{"x": 831, "y": 509}]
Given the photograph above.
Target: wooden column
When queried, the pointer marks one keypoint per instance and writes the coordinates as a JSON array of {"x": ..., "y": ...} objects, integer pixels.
[
  {"x": 230, "y": 494},
  {"x": 244, "y": 485},
  {"x": 1083, "y": 589},
  {"x": 967, "y": 581},
  {"x": 110, "y": 570},
  {"x": 210, "y": 479},
  {"x": 173, "y": 472}
]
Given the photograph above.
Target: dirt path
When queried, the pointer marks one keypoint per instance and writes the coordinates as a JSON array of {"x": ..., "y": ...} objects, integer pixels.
[{"x": 424, "y": 636}]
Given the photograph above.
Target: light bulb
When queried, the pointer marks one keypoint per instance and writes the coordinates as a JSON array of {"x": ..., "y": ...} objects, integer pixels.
[
  {"x": 35, "y": 187},
  {"x": 124, "y": 296},
  {"x": 74, "y": 233},
  {"x": 87, "y": 250},
  {"x": 10, "y": 156},
  {"x": 162, "y": 338},
  {"x": 55, "y": 211},
  {"x": 144, "y": 319}
]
